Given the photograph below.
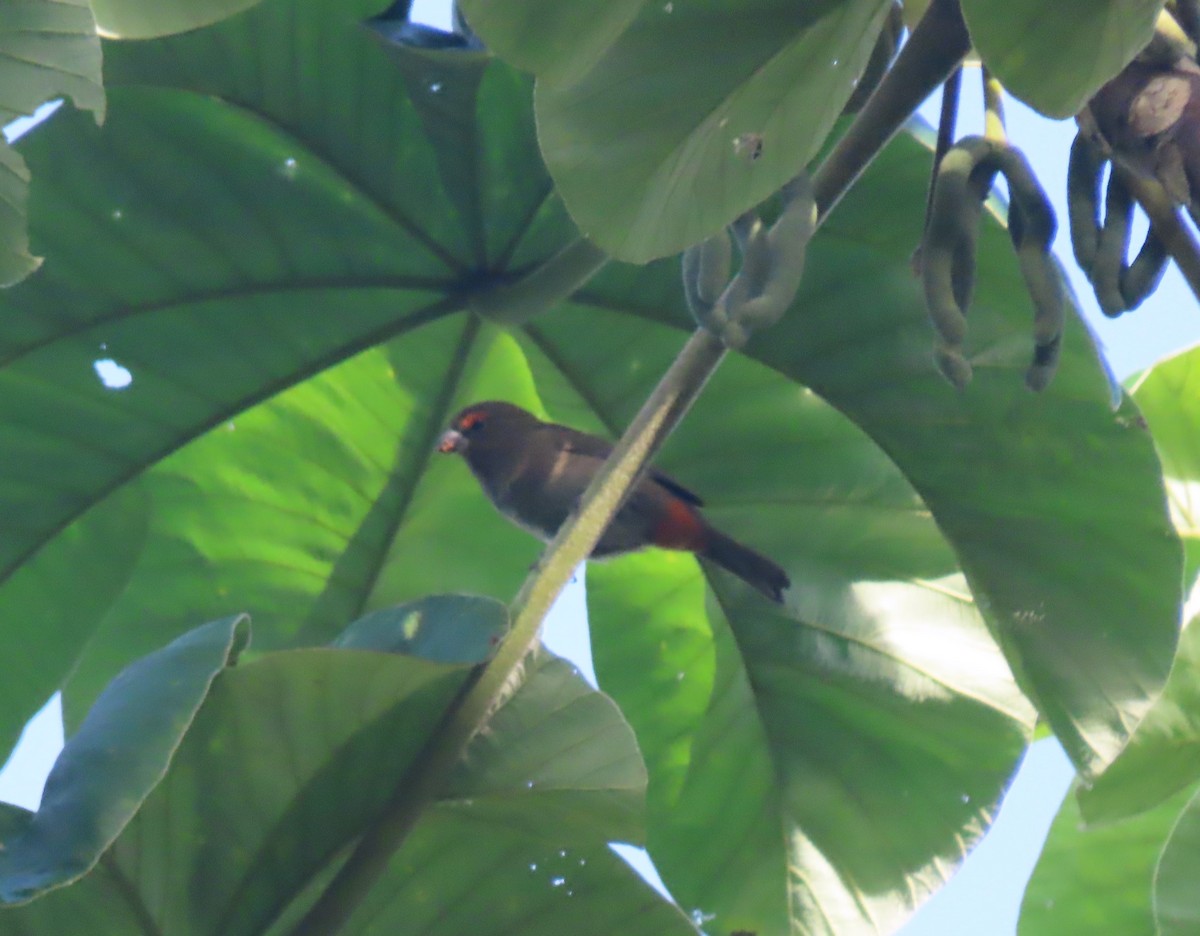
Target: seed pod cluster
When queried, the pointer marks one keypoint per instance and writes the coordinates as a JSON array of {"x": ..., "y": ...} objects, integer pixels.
[
  {"x": 772, "y": 264},
  {"x": 961, "y": 186},
  {"x": 1149, "y": 115},
  {"x": 1101, "y": 247}
]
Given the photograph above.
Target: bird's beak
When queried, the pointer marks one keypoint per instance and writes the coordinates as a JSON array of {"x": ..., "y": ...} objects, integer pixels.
[{"x": 452, "y": 441}]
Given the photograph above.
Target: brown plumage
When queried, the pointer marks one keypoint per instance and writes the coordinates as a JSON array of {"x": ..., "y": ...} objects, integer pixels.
[{"x": 535, "y": 472}]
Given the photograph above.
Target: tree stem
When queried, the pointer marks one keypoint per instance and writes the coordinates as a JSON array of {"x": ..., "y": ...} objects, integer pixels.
[
  {"x": 544, "y": 287},
  {"x": 419, "y": 789},
  {"x": 993, "y": 108},
  {"x": 946, "y": 132},
  {"x": 1164, "y": 217},
  {"x": 933, "y": 51}
]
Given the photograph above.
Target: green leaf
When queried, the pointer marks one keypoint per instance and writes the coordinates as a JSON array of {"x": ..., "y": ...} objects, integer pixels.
[
  {"x": 121, "y": 752},
  {"x": 1167, "y": 397},
  {"x": 242, "y": 181},
  {"x": 822, "y": 767},
  {"x": 295, "y": 754},
  {"x": 279, "y": 208},
  {"x": 1054, "y": 56},
  {"x": 1097, "y": 879},
  {"x": 443, "y": 85},
  {"x": 567, "y": 745},
  {"x": 94, "y": 905},
  {"x": 1016, "y": 481},
  {"x": 293, "y": 509},
  {"x": 16, "y": 262},
  {"x": 444, "y": 628},
  {"x": 648, "y": 172},
  {"x": 56, "y": 602},
  {"x": 147, "y": 19},
  {"x": 248, "y": 233},
  {"x": 823, "y": 773},
  {"x": 1163, "y": 756},
  {"x": 456, "y": 875},
  {"x": 1176, "y": 907},
  {"x": 48, "y": 49}
]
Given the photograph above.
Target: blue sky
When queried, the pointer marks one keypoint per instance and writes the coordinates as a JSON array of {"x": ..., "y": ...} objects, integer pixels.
[{"x": 984, "y": 897}]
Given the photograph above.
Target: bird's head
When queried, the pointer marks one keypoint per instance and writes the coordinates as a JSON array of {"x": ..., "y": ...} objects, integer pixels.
[{"x": 483, "y": 426}]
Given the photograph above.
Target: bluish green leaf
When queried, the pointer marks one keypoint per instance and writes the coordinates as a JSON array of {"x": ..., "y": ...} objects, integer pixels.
[
  {"x": 662, "y": 122},
  {"x": 442, "y": 628},
  {"x": 116, "y": 759},
  {"x": 1054, "y": 56}
]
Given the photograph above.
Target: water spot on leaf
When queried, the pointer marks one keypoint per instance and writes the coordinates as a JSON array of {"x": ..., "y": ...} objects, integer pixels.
[
  {"x": 112, "y": 374},
  {"x": 748, "y": 146}
]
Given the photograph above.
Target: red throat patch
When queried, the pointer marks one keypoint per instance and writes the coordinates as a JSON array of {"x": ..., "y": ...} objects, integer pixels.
[{"x": 679, "y": 528}]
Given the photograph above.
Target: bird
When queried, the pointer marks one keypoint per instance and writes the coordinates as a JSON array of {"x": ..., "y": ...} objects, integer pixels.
[{"x": 535, "y": 473}]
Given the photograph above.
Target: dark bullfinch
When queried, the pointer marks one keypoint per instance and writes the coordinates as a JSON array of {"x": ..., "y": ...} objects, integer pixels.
[{"x": 536, "y": 472}]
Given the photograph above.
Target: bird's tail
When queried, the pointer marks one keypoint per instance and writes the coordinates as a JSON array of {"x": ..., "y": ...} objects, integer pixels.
[{"x": 746, "y": 564}]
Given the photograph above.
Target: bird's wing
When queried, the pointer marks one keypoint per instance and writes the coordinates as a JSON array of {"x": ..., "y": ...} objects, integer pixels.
[
  {"x": 581, "y": 443},
  {"x": 676, "y": 488}
]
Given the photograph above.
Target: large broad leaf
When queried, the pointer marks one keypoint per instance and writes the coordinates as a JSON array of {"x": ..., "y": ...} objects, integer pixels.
[
  {"x": 16, "y": 262},
  {"x": 1002, "y": 470},
  {"x": 119, "y": 755},
  {"x": 1097, "y": 879},
  {"x": 143, "y": 19},
  {"x": 1169, "y": 397},
  {"x": 806, "y": 774},
  {"x": 295, "y": 755},
  {"x": 998, "y": 467},
  {"x": 1176, "y": 903},
  {"x": 292, "y": 510},
  {"x": 56, "y": 601},
  {"x": 1163, "y": 756},
  {"x": 1054, "y": 56},
  {"x": 48, "y": 49},
  {"x": 288, "y": 260},
  {"x": 857, "y": 509},
  {"x": 278, "y": 204},
  {"x": 820, "y": 769},
  {"x": 662, "y": 122},
  {"x": 443, "y": 628}
]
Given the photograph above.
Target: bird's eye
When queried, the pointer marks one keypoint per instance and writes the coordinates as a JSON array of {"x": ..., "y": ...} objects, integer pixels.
[{"x": 470, "y": 422}]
